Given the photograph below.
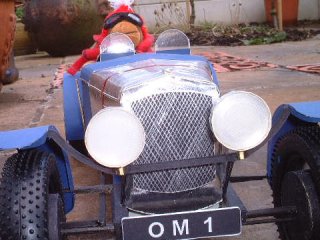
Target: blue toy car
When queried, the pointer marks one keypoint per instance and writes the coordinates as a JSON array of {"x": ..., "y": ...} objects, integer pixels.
[{"x": 156, "y": 124}]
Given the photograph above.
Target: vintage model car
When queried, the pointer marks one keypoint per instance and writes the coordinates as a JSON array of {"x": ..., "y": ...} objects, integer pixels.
[{"x": 157, "y": 124}]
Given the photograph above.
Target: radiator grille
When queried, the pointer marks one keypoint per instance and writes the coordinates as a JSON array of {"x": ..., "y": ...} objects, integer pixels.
[{"x": 177, "y": 127}]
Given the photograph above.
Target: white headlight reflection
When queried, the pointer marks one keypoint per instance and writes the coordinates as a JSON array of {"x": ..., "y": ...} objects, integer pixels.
[
  {"x": 114, "y": 137},
  {"x": 116, "y": 43},
  {"x": 241, "y": 120}
]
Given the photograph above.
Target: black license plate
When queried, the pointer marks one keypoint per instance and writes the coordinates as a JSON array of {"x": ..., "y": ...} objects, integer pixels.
[{"x": 183, "y": 225}]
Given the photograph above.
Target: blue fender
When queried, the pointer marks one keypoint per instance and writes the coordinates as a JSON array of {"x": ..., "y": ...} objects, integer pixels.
[
  {"x": 41, "y": 138},
  {"x": 295, "y": 115}
]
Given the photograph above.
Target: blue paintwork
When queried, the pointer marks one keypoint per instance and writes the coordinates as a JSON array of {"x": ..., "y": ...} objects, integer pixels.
[
  {"x": 186, "y": 51},
  {"x": 72, "y": 114},
  {"x": 38, "y": 138},
  {"x": 303, "y": 112},
  {"x": 214, "y": 75},
  {"x": 110, "y": 56},
  {"x": 306, "y": 111},
  {"x": 24, "y": 138}
]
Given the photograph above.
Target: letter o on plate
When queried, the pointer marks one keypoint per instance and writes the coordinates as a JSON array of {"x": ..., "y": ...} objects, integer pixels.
[{"x": 151, "y": 230}]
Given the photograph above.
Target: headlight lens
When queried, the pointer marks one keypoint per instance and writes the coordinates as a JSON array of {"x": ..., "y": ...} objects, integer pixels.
[
  {"x": 116, "y": 43},
  {"x": 114, "y": 137},
  {"x": 241, "y": 120}
]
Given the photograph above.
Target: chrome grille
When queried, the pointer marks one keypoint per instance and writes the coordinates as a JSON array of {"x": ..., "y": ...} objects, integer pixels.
[{"x": 177, "y": 127}]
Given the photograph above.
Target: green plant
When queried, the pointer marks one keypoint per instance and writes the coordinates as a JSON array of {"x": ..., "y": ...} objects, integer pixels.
[
  {"x": 240, "y": 34},
  {"x": 206, "y": 26},
  {"x": 20, "y": 12},
  {"x": 273, "y": 38}
]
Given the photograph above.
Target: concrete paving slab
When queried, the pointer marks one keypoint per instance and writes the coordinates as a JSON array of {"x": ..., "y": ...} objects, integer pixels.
[
  {"x": 285, "y": 53},
  {"x": 275, "y": 86}
]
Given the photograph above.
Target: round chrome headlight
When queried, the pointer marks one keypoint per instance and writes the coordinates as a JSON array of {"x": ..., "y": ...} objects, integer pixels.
[
  {"x": 114, "y": 137},
  {"x": 241, "y": 120},
  {"x": 117, "y": 43}
]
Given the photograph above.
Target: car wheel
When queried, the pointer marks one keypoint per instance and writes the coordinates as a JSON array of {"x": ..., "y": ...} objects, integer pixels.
[
  {"x": 57, "y": 216},
  {"x": 296, "y": 151},
  {"x": 30, "y": 200}
]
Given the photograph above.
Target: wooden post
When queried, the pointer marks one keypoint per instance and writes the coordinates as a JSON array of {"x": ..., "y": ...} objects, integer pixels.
[
  {"x": 188, "y": 11},
  {"x": 279, "y": 13}
]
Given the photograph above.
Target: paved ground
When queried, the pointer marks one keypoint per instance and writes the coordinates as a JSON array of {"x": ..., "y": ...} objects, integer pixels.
[{"x": 30, "y": 102}]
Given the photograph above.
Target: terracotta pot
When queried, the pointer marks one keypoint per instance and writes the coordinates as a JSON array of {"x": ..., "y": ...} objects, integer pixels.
[
  {"x": 289, "y": 11},
  {"x": 8, "y": 22},
  {"x": 64, "y": 27}
]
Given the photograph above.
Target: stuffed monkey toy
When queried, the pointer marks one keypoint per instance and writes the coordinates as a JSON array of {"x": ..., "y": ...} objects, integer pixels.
[{"x": 123, "y": 20}]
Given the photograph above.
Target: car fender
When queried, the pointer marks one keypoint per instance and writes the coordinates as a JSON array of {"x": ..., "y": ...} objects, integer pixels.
[
  {"x": 295, "y": 114},
  {"x": 42, "y": 138}
]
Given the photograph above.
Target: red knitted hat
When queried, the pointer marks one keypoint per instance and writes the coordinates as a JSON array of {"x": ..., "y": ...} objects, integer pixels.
[{"x": 125, "y": 6}]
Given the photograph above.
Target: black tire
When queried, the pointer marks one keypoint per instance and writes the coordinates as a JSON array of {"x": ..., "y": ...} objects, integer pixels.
[
  {"x": 30, "y": 200},
  {"x": 57, "y": 215},
  {"x": 298, "y": 190},
  {"x": 297, "y": 150}
]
